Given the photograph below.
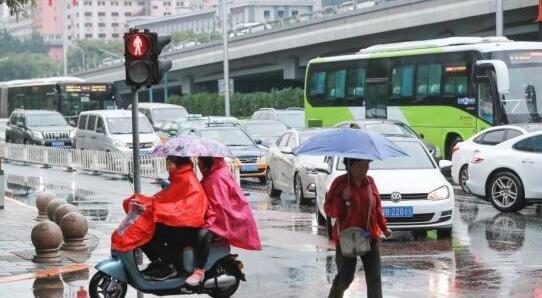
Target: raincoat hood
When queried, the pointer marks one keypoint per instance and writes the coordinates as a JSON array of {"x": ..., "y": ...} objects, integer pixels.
[{"x": 229, "y": 215}]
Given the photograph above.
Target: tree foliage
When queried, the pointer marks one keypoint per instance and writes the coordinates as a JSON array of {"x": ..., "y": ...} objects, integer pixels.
[
  {"x": 11, "y": 44},
  {"x": 16, "y": 7},
  {"x": 242, "y": 104},
  {"x": 27, "y": 66},
  {"x": 95, "y": 52},
  {"x": 186, "y": 36}
]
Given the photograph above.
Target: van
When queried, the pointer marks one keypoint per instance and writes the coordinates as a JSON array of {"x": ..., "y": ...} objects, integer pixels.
[
  {"x": 111, "y": 130},
  {"x": 158, "y": 113}
]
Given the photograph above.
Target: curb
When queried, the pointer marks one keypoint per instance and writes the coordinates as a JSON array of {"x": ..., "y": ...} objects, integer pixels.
[{"x": 45, "y": 273}]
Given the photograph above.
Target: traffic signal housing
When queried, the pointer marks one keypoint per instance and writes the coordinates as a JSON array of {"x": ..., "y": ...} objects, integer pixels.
[{"x": 141, "y": 52}]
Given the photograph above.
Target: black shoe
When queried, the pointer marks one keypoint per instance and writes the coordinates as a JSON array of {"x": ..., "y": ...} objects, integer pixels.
[
  {"x": 152, "y": 267},
  {"x": 164, "y": 273}
]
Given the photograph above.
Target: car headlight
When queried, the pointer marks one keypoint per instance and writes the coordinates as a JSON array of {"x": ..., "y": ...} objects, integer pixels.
[
  {"x": 37, "y": 135},
  {"x": 440, "y": 193}
]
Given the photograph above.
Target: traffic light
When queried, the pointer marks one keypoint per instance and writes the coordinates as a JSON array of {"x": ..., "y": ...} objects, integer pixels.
[{"x": 141, "y": 51}]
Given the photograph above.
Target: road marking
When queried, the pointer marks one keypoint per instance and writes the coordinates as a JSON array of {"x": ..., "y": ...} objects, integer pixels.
[{"x": 45, "y": 273}]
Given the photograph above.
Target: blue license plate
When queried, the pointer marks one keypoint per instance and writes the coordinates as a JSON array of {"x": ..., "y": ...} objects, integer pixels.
[
  {"x": 398, "y": 212},
  {"x": 249, "y": 168},
  {"x": 57, "y": 144}
]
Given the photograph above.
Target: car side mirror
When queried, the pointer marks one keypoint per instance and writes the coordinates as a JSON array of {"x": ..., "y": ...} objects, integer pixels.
[
  {"x": 172, "y": 132},
  {"x": 322, "y": 170},
  {"x": 286, "y": 150},
  {"x": 422, "y": 136},
  {"x": 100, "y": 130},
  {"x": 444, "y": 164},
  {"x": 258, "y": 142}
]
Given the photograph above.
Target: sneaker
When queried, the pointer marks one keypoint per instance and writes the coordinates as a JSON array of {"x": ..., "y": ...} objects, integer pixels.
[
  {"x": 152, "y": 267},
  {"x": 197, "y": 276},
  {"x": 164, "y": 273}
]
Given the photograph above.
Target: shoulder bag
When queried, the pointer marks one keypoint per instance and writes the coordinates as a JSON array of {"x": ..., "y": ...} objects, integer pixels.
[{"x": 355, "y": 241}]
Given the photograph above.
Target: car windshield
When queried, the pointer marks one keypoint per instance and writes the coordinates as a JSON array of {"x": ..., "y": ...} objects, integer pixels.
[
  {"x": 123, "y": 125},
  {"x": 45, "y": 120},
  {"x": 260, "y": 130},
  {"x": 307, "y": 135},
  {"x": 389, "y": 129},
  {"x": 292, "y": 119},
  {"x": 524, "y": 102},
  {"x": 164, "y": 114},
  {"x": 417, "y": 159},
  {"x": 228, "y": 137}
]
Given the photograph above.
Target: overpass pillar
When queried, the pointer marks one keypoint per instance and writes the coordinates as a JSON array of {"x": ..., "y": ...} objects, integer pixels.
[
  {"x": 291, "y": 69},
  {"x": 187, "y": 85}
]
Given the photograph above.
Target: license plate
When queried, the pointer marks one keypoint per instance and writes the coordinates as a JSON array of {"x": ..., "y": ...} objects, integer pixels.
[
  {"x": 249, "y": 168},
  {"x": 398, "y": 211},
  {"x": 57, "y": 144}
]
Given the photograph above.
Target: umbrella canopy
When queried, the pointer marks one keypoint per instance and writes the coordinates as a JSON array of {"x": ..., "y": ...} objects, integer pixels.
[
  {"x": 192, "y": 146},
  {"x": 351, "y": 143}
]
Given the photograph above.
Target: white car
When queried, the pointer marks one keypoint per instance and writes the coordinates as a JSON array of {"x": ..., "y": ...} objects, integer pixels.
[
  {"x": 415, "y": 195},
  {"x": 289, "y": 172},
  {"x": 509, "y": 174},
  {"x": 463, "y": 152}
]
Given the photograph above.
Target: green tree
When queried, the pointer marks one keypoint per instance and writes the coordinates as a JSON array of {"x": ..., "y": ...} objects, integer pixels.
[
  {"x": 27, "y": 66},
  {"x": 16, "y": 7},
  {"x": 95, "y": 52},
  {"x": 11, "y": 44},
  {"x": 186, "y": 36}
]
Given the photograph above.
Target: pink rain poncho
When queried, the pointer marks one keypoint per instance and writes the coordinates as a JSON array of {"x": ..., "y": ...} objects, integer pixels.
[{"x": 229, "y": 215}]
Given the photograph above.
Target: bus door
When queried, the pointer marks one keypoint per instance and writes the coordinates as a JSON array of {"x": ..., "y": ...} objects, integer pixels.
[
  {"x": 488, "y": 107},
  {"x": 376, "y": 92}
]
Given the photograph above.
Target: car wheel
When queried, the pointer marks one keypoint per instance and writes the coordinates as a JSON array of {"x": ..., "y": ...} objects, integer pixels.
[
  {"x": 444, "y": 233},
  {"x": 270, "y": 187},
  {"x": 419, "y": 235},
  {"x": 451, "y": 143},
  {"x": 505, "y": 192},
  {"x": 463, "y": 177},
  {"x": 298, "y": 190}
]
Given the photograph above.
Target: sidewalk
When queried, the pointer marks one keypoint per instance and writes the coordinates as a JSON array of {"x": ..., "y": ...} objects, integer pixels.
[{"x": 16, "y": 249}]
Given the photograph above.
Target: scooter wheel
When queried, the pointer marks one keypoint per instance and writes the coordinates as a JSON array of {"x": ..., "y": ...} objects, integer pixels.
[
  {"x": 104, "y": 286},
  {"x": 226, "y": 292}
]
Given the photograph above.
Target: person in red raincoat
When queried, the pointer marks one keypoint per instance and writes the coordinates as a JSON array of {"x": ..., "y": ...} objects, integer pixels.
[
  {"x": 179, "y": 213},
  {"x": 348, "y": 201},
  {"x": 229, "y": 215}
]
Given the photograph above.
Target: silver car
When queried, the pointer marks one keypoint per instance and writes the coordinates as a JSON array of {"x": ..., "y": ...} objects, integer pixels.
[{"x": 291, "y": 173}]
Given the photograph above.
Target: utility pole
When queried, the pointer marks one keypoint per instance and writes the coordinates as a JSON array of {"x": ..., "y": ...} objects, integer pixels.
[
  {"x": 226, "y": 62},
  {"x": 499, "y": 19}
]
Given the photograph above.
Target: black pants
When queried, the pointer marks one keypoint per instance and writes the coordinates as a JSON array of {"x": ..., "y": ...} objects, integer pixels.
[
  {"x": 346, "y": 268},
  {"x": 168, "y": 243}
]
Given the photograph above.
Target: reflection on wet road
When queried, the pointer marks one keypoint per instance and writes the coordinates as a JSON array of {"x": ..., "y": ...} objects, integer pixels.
[{"x": 491, "y": 254}]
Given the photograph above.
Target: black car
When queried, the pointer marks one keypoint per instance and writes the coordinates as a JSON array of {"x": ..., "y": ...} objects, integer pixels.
[
  {"x": 39, "y": 127},
  {"x": 251, "y": 156}
]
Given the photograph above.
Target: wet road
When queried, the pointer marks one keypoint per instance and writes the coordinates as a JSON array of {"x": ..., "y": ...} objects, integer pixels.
[{"x": 491, "y": 254}]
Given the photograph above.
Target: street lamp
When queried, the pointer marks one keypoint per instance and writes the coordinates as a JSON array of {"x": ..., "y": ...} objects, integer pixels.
[
  {"x": 499, "y": 19},
  {"x": 226, "y": 62},
  {"x": 82, "y": 53},
  {"x": 108, "y": 53}
]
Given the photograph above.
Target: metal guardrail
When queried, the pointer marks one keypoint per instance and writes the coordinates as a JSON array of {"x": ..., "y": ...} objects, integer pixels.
[{"x": 116, "y": 163}]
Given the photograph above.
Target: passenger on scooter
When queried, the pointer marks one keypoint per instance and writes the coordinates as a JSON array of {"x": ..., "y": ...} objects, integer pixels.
[
  {"x": 179, "y": 212},
  {"x": 229, "y": 215}
]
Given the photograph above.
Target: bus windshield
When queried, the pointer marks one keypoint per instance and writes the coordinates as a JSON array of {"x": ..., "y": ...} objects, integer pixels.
[{"x": 524, "y": 102}]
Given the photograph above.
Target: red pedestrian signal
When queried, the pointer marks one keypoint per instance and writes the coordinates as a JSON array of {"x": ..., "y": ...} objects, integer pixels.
[{"x": 141, "y": 51}]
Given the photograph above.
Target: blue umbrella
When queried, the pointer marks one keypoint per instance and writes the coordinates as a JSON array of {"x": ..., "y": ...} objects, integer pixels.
[{"x": 351, "y": 143}]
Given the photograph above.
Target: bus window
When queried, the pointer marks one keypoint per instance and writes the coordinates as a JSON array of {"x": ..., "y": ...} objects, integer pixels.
[
  {"x": 375, "y": 96},
  {"x": 355, "y": 84},
  {"x": 335, "y": 84},
  {"x": 318, "y": 81},
  {"x": 402, "y": 81},
  {"x": 428, "y": 81},
  {"x": 485, "y": 100}
]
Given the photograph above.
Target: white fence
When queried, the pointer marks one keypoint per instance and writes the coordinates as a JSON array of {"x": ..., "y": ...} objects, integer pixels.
[{"x": 116, "y": 163}]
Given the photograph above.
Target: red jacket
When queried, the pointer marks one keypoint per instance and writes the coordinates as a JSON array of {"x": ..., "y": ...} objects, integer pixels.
[
  {"x": 356, "y": 214},
  {"x": 183, "y": 203}
]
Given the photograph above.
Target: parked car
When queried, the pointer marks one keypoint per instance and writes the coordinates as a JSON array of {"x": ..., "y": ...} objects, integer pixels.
[
  {"x": 252, "y": 157},
  {"x": 463, "y": 152},
  {"x": 170, "y": 129},
  {"x": 3, "y": 127},
  {"x": 38, "y": 127},
  {"x": 161, "y": 112},
  {"x": 111, "y": 130},
  {"x": 293, "y": 173},
  {"x": 293, "y": 118},
  {"x": 267, "y": 131},
  {"x": 389, "y": 128},
  {"x": 509, "y": 174},
  {"x": 415, "y": 195}
]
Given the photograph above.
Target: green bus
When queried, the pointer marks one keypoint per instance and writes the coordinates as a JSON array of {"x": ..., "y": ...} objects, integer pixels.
[{"x": 446, "y": 89}]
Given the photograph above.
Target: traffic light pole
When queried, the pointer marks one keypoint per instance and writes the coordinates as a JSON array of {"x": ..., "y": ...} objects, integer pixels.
[
  {"x": 135, "y": 140},
  {"x": 226, "y": 62}
]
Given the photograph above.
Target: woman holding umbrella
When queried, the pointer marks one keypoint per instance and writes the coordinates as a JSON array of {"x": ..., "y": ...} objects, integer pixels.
[{"x": 353, "y": 199}]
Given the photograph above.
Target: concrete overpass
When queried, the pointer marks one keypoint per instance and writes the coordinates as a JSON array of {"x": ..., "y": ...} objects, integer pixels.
[{"x": 276, "y": 58}]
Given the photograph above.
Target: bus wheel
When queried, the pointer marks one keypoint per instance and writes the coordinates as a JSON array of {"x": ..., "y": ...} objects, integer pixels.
[{"x": 452, "y": 140}]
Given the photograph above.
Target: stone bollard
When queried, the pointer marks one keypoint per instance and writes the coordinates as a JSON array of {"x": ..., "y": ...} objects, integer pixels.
[
  {"x": 46, "y": 237},
  {"x": 74, "y": 227},
  {"x": 48, "y": 287},
  {"x": 41, "y": 203},
  {"x": 52, "y": 206},
  {"x": 63, "y": 210}
]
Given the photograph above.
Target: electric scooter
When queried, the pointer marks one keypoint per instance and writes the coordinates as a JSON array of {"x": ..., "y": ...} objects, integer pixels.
[{"x": 223, "y": 273}]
